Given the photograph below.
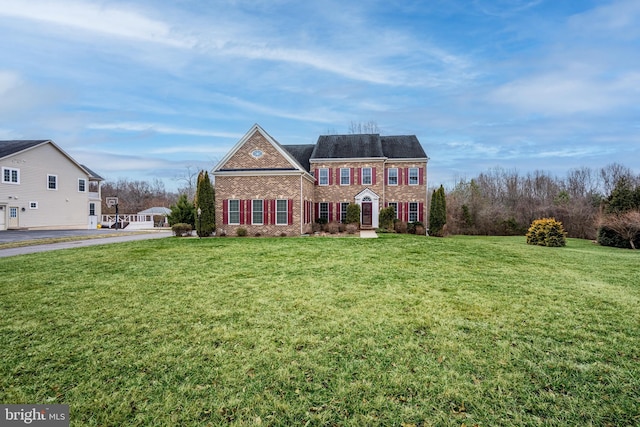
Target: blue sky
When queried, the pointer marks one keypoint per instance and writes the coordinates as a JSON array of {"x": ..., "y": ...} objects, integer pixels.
[{"x": 146, "y": 89}]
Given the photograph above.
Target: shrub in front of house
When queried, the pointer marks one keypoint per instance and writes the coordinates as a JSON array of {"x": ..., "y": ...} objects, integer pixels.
[
  {"x": 400, "y": 227},
  {"x": 342, "y": 227},
  {"x": 333, "y": 227},
  {"x": 351, "y": 228},
  {"x": 420, "y": 230},
  {"x": 353, "y": 214},
  {"x": 546, "y": 232},
  {"x": 241, "y": 232},
  {"x": 181, "y": 229},
  {"x": 386, "y": 217}
]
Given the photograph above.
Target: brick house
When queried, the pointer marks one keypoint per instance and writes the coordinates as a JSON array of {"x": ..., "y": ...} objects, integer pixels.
[{"x": 270, "y": 188}]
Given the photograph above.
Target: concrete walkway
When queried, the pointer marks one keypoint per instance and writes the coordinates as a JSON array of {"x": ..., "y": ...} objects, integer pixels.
[
  {"x": 81, "y": 243},
  {"x": 368, "y": 234}
]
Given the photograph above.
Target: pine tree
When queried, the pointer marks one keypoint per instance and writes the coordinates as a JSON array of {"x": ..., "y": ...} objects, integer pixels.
[
  {"x": 205, "y": 201},
  {"x": 182, "y": 212},
  {"x": 622, "y": 198},
  {"x": 437, "y": 212}
]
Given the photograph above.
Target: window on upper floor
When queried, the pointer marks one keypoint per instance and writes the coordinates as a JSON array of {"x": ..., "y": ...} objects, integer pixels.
[
  {"x": 392, "y": 176},
  {"x": 11, "y": 176},
  {"x": 366, "y": 176},
  {"x": 82, "y": 185},
  {"x": 323, "y": 178},
  {"x": 52, "y": 182},
  {"x": 345, "y": 176},
  {"x": 414, "y": 176}
]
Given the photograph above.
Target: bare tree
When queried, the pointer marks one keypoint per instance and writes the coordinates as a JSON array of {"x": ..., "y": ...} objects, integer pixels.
[
  {"x": 189, "y": 181},
  {"x": 370, "y": 127},
  {"x": 626, "y": 224}
]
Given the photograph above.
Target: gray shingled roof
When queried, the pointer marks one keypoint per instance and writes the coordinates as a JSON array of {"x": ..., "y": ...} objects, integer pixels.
[
  {"x": 8, "y": 148},
  {"x": 302, "y": 154},
  {"x": 347, "y": 146},
  {"x": 92, "y": 174},
  {"x": 402, "y": 147}
]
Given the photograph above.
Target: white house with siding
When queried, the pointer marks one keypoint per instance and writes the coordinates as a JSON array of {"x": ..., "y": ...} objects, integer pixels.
[{"x": 42, "y": 187}]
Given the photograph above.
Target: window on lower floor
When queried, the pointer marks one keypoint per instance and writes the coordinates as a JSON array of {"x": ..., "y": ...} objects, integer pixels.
[
  {"x": 10, "y": 176},
  {"x": 234, "y": 212},
  {"x": 413, "y": 211},
  {"x": 281, "y": 212},
  {"x": 323, "y": 211},
  {"x": 92, "y": 209},
  {"x": 395, "y": 207},
  {"x": 257, "y": 213},
  {"x": 33, "y": 205},
  {"x": 343, "y": 211},
  {"x": 52, "y": 182}
]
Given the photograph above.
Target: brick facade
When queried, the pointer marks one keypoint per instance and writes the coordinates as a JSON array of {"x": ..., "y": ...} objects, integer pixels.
[{"x": 256, "y": 180}]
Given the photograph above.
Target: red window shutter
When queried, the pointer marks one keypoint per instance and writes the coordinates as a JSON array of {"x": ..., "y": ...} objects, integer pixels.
[
  {"x": 290, "y": 211},
  {"x": 316, "y": 176},
  {"x": 421, "y": 176},
  {"x": 386, "y": 176},
  {"x": 400, "y": 181},
  {"x": 406, "y": 211},
  {"x": 353, "y": 172},
  {"x": 338, "y": 211},
  {"x": 241, "y": 211},
  {"x": 360, "y": 176},
  {"x": 373, "y": 176},
  {"x": 330, "y": 176},
  {"x": 272, "y": 212},
  {"x": 265, "y": 213},
  {"x": 330, "y": 211},
  {"x": 399, "y": 213},
  {"x": 225, "y": 211},
  {"x": 406, "y": 176},
  {"x": 421, "y": 212}
]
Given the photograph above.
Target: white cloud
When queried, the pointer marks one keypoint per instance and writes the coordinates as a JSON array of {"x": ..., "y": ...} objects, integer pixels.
[
  {"x": 95, "y": 18},
  {"x": 8, "y": 81},
  {"x": 159, "y": 128}
]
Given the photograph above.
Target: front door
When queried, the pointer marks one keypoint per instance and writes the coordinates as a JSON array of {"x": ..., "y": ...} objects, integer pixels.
[
  {"x": 13, "y": 217},
  {"x": 367, "y": 217},
  {"x": 3, "y": 216}
]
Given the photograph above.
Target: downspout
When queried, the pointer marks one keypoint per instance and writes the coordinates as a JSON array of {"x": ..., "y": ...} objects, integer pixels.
[
  {"x": 301, "y": 207},
  {"x": 427, "y": 204}
]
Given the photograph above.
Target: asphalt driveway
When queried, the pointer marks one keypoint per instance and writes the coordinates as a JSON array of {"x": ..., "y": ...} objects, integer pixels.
[{"x": 9, "y": 236}]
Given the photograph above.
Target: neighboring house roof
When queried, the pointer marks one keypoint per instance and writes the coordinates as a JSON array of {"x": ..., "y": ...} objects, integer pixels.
[
  {"x": 8, "y": 148},
  {"x": 11, "y": 147},
  {"x": 155, "y": 211}
]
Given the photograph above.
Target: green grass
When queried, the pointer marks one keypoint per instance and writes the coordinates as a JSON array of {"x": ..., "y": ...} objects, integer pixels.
[{"x": 325, "y": 331}]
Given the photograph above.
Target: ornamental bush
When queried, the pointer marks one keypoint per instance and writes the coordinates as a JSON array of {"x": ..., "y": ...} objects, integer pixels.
[
  {"x": 546, "y": 232},
  {"x": 181, "y": 229}
]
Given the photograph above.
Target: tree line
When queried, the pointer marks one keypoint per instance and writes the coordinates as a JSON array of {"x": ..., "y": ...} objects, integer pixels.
[{"x": 505, "y": 202}]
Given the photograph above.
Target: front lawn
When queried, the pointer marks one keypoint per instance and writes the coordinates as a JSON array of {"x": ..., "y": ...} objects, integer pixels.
[{"x": 397, "y": 330}]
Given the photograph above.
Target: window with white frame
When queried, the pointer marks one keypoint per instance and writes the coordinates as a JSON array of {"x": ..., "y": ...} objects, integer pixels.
[
  {"x": 323, "y": 178},
  {"x": 395, "y": 207},
  {"x": 343, "y": 211},
  {"x": 33, "y": 205},
  {"x": 92, "y": 209},
  {"x": 281, "y": 212},
  {"x": 11, "y": 176},
  {"x": 323, "y": 211},
  {"x": 345, "y": 176},
  {"x": 414, "y": 176},
  {"x": 234, "y": 211},
  {"x": 82, "y": 185},
  {"x": 413, "y": 211},
  {"x": 52, "y": 182},
  {"x": 366, "y": 176},
  {"x": 257, "y": 212},
  {"x": 392, "y": 176}
]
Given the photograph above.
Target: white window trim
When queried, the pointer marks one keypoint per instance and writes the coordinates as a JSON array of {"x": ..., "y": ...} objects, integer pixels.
[
  {"x": 286, "y": 212},
  {"x": 415, "y": 212},
  {"x": 56, "y": 177},
  {"x": 395, "y": 207},
  {"x": 320, "y": 210},
  {"x": 33, "y": 205},
  {"x": 11, "y": 182},
  {"x": 343, "y": 211},
  {"x": 389, "y": 176},
  {"x": 362, "y": 176},
  {"x": 229, "y": 211},
  {"x": 320, "y": 176},
  {"x": 85, "y": 185},
  {"x": 253, "y": 210},
  {"x": 417, "y": 170},
  {"x": 348, "y": 176},
  {"x": 94, "y": 209}
]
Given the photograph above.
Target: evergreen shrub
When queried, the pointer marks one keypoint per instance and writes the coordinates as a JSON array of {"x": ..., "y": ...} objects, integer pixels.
[
  {"x": 546, "y": 232},
  {"x": 241, "y": 232}
]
